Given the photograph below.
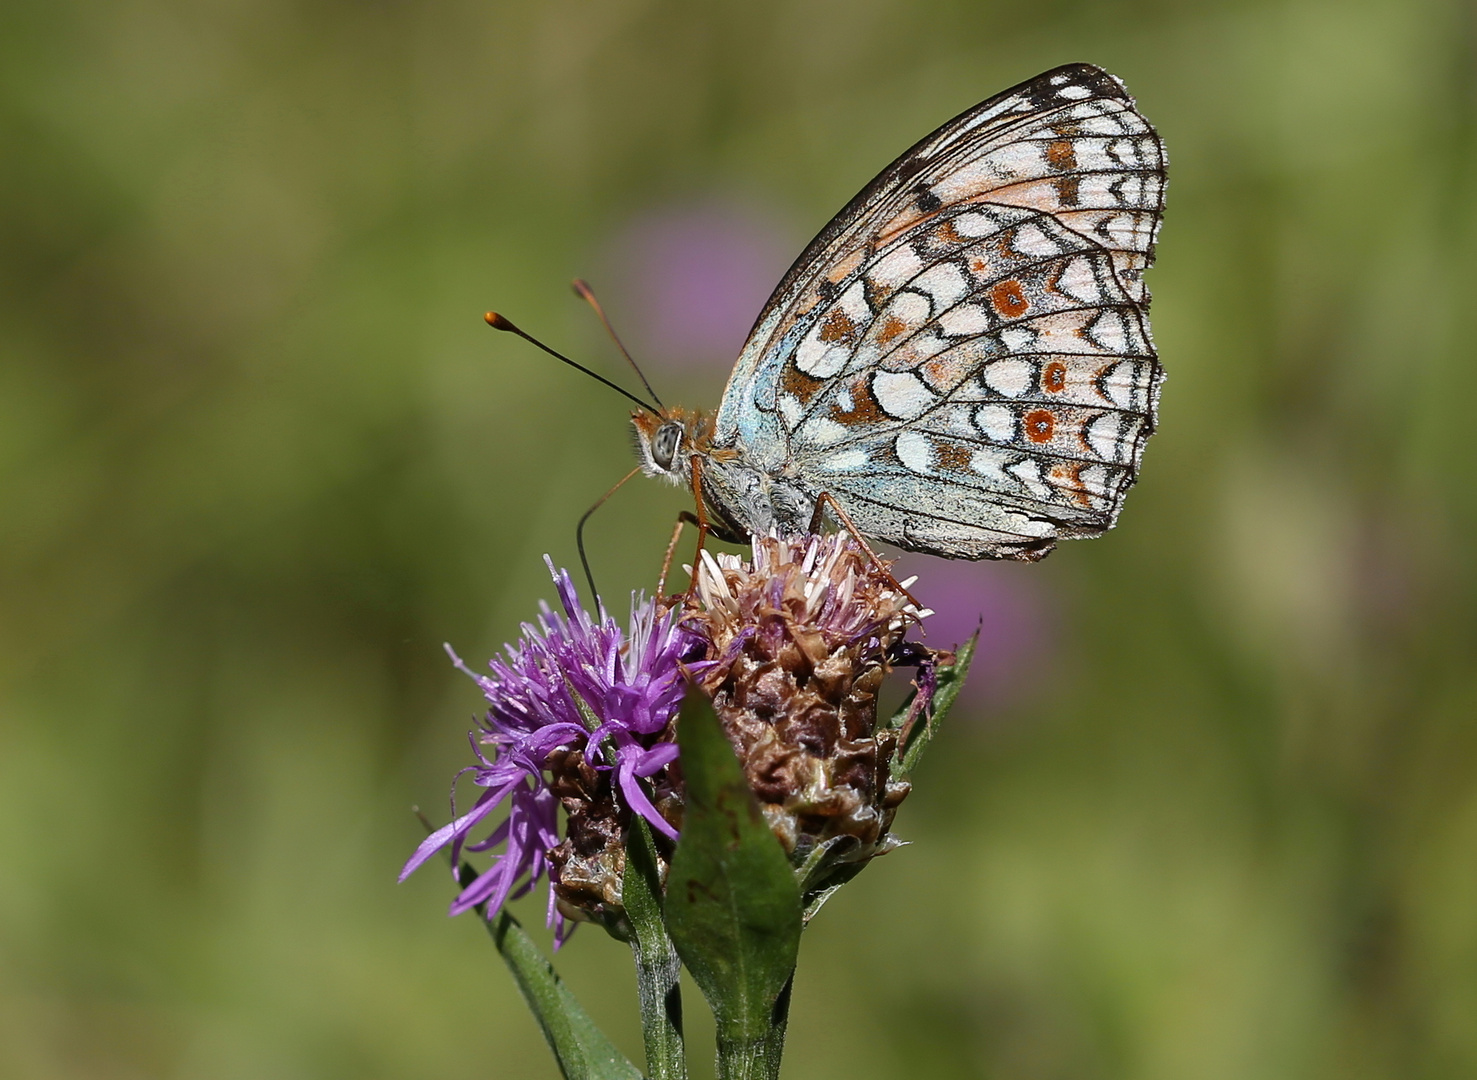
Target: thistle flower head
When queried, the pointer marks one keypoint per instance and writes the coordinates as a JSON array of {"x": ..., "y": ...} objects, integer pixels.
[
  {"x": 800, "y": 641},
  {"x": 579, "y": 711}
]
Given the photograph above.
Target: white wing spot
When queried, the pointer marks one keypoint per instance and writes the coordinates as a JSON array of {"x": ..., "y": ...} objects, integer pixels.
[
  {"x": 1102, "y": 435},
  {"x": 1009, "y": 377},
  {"x": 790, "y": 409},
  {"x": 1119, "y": 384},
  {"x": 945, "y": 282},
  {"x": 1030, "y": 240},
  {"x": 1079, "y": 282},
  {"x": 822, "y": 431},
  {"x": 910, "y": 307},
  {"x": 1074, "y": 93},
  {"x": 988, "y": 464},
  {"x": 975, "y": 224},
  {"x": 914, "y": 451},
  {"x": 846, "y": 461},
  {"x": 1124, "y": 231},
  {"x": 818, "y": 358},
  {"x": 1007, "y": 163},
  {"x": 965, "y": 321},
  {"x": 1017, "y": 338},
  {"x": 896, "y": 267},
  {"x": 1095, "y": 480},
  {"x": 1128, "y": 151},
  {"x": 996, "y": 421},
  {"x": 1096, "y": 190},
  {"x": 1108, "y": 331},
  {"x": 902, "y": 395},
  {"x": 1028, "y": 472}
]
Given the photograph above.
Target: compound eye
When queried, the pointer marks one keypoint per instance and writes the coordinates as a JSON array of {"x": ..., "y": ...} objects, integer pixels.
[{"x": 664, "y": 446}]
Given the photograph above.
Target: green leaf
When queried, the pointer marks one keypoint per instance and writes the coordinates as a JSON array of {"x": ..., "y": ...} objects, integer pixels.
[
  {"x": 822, "y": 859},
  {"x": 951, "y": 681},
  {"x": 658, "y": 971},
  {"x": 581, "y": 1048},
  {"x": 829, "y": 866},
  {"x": 732, "y": 905}
]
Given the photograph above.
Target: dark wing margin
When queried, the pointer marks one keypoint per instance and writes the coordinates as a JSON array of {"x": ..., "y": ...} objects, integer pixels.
[{"x": 1024, "y": 100}]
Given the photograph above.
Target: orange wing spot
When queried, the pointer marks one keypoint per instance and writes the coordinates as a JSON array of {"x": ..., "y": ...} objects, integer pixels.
[
  {"x": 978, "y": 265},
  {"x": 950, "y": 457},
  {"x": 1068, "y": 477},
  {"x": 864, "y": 408},
  {"x": 948, "y": 370},
  {"x": 839, "y": 327},
  {"x": 842, "y": 269},
  {"x": 891, "y": 327},
  {"x": 1068, "y": 189},
  {"x": 1054, "y": 378},
  {"x": 800, "y": 384},
  {"x": 1060, "y": 155},
  {"x": 895, "y": 225},
  {"x": 946, "y": 233},
  {"x": 1009, "y": 299},
  {"x": 1040, "y": 423}
]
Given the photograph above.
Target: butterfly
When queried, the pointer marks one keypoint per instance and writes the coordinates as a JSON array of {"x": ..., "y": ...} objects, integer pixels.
[{"x": 960, "y": 362}]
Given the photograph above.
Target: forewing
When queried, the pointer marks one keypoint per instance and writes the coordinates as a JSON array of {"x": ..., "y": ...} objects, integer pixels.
[{"x": 962, "y": 357}]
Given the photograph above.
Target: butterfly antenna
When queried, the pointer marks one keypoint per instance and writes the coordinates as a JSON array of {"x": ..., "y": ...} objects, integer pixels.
[
  {"x": 584, "y": 292},
  {"x": 579, "y": 531},
  {"x": 498, "y": 322}
]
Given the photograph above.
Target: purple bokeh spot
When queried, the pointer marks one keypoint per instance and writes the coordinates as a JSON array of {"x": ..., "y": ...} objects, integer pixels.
[
  {"x": 1013, "y": 609},
  {"x": 690, "y": 278}
]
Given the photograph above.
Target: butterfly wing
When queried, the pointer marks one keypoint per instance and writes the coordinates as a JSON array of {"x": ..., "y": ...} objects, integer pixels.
[{"x": 962, "y": 357}]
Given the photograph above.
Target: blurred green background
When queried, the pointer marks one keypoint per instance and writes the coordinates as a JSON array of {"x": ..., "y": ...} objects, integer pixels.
[{"x": 1214, "y": 814}]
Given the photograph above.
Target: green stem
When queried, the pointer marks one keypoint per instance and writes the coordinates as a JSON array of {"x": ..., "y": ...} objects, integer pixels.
[
  {"x": 659, "y": 988},
  {"x": 744, "y": 1060},
  {"x": 753, "y": 1059},
  {"x": 658, "y": 970},
  {"x": 757, "y": 1059},
  {"x": 780, "y": 1024}
]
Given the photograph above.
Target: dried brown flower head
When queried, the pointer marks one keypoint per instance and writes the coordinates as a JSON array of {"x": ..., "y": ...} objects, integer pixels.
[
  {"x": 589, "y": 862},
  {"x": 800, "y": 643}
]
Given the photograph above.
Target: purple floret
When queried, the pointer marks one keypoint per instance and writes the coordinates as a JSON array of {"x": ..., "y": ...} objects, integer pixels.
[{"x": 633, "y": 684}]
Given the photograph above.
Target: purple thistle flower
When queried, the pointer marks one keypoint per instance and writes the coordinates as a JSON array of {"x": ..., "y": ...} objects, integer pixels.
[{"x": 630, "y": 685}]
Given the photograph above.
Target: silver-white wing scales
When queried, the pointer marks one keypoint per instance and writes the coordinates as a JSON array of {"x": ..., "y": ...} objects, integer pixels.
[{"x": 962, "y": 357}]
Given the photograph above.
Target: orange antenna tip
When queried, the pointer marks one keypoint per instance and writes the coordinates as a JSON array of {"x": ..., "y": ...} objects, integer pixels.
[{"x": 497, "y": 322}]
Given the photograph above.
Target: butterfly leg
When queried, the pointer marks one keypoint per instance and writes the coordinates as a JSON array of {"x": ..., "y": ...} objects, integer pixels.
[
  {"x": 684, "y": 518},
  {"x": 818, "y": 519},
  {"x": 696, "y": 471}
]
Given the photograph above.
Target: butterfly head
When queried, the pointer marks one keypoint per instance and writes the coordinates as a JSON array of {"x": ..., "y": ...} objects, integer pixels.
[{"x": 667, "y": 441}]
